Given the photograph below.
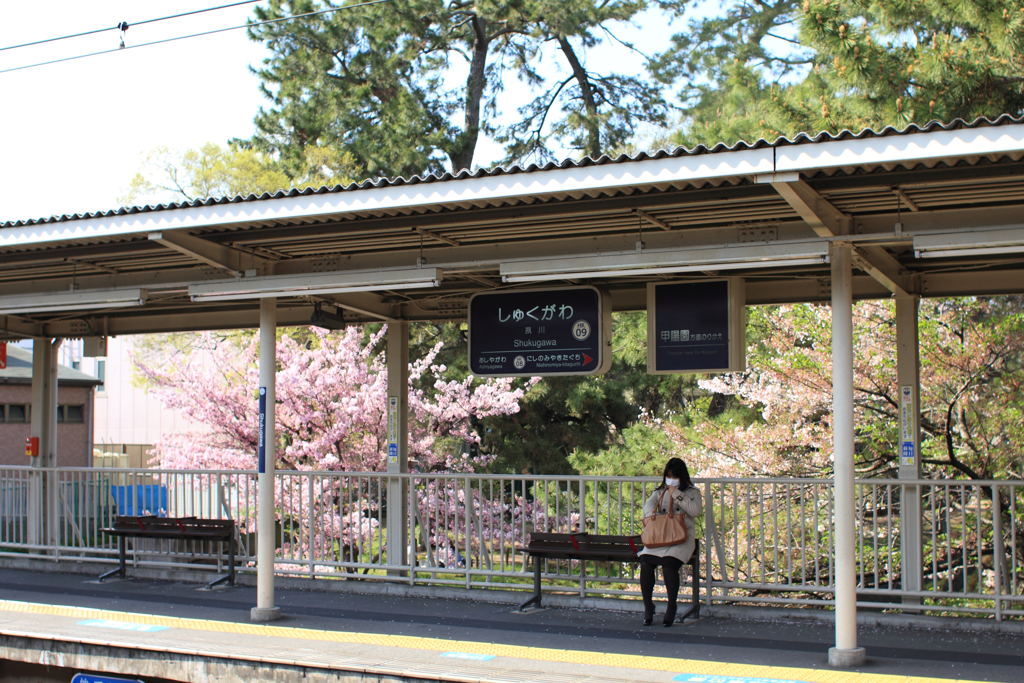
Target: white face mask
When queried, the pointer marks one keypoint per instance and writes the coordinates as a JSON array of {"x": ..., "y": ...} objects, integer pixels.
[{"x": 671, "y": 482}]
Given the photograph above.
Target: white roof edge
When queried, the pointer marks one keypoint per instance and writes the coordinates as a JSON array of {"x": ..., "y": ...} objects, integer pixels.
[
  {"x": 579, "y": 178},
  {"x": 805, "y": 157},
  {"x": 911, "y": 147}
]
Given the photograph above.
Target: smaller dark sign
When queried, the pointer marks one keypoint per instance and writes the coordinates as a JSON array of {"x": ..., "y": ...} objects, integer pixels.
[
  {"x": 695, "y": 327},
  {"x": 540, "y": 332}
]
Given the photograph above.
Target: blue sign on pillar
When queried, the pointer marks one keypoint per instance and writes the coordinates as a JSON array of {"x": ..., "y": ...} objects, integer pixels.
[
  {"x": 696, "y": 326},
  {"x": 96, "y": 678},
  {"x": 262, "y": 448},
  {"x": 540, "y": 333}
]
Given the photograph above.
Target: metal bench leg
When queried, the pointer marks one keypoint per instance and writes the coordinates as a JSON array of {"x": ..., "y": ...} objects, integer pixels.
[
  {"x": 535, "y": 600},
  {"x": 121, "y": 569},
  {"x": 230, "y": 576}
]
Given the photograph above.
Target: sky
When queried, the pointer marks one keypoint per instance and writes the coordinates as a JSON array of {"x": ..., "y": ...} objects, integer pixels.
[{"x": 73, "y": 134}]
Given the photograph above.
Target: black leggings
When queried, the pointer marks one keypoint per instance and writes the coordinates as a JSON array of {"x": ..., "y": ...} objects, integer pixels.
[{"x": 670, "y": 570}]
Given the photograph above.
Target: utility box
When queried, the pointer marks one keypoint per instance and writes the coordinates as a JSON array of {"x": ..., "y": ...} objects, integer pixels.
[
  {"x": 32, "y": 446},
  {"x": 93, "y": 347}
]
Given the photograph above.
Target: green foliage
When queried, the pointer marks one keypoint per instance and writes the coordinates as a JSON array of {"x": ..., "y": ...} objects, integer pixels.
[
  {"x": 909, "y": 62},
  {"x": 372, "y": 81},
  {"x": 643, "y": 450},
  {"x": 760, "y": 70},
  {"x": 780, "y": 423},
  {"x": 565, "y": 423},
  {"x": 215, "y": 171}
]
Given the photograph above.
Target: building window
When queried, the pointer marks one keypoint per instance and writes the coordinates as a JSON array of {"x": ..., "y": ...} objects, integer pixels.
[
  {"x": 101, "y": 374},
  {"x": 70, "y": 413},
  {"x": 16, "y": 412}
]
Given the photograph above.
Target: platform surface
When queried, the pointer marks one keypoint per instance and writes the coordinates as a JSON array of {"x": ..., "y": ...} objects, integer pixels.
[{"x": 436, "y": 639}]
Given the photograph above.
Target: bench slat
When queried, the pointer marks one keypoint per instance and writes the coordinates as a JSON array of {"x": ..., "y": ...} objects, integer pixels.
[{"x": 172, "y": 527}]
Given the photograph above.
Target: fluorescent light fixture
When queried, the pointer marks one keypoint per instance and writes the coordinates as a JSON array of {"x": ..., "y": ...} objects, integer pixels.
[
  {"x": 78, "y": 300},
  {"x": 979, "y": 243},
  {"x": 624, "y": 264},
  {"x": 312, "y": 284}
]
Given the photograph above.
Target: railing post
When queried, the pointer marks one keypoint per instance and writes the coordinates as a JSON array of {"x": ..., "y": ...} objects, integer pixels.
[
  {"x": 997, "y": 551},
  {"x": 414, "y": 514},
  {"x": 312, "y": 530},
  {"x": 709, "y": 520},
  {"x": 583, "y": 529},
  {"x": 468, "y": 520}
]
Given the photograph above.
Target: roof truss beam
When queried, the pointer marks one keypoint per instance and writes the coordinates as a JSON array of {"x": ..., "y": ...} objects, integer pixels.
[
  {"x": 436, "y": 236},
  {"x": 828, "y": 221},
  {"x": 210, "y": 253},
  {"x": 653, "y": 220},
  {"x": 825, "y": 219},
  {"x": 366, "y": 304},
  {"x": 884, "y": 268},
  {"x": 11, "y": 326}
]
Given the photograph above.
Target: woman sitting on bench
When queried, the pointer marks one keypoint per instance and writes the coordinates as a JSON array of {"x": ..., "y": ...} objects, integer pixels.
[{"x": 676, "y": 493}]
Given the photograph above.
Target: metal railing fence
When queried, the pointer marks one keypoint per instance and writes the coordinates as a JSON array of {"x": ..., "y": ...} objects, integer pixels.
[{"x": 764, "y": 541}]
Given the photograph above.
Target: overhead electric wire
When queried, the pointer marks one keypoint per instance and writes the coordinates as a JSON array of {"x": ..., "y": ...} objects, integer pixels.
[
  {"x": 194, "y": 35},
  {"x": 137, "y": 23}
]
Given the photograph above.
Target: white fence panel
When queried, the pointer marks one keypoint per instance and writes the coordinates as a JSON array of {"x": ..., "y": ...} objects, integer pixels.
[{"x": 763, "y": 541}]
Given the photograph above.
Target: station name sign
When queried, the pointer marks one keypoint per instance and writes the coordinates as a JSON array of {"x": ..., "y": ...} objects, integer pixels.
[
  {"x": 697, "y": 326},
  {"x": 540, "y": 333}
]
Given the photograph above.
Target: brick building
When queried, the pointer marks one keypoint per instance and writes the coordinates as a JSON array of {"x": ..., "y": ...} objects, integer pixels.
[{"x": 75, "y": 399}]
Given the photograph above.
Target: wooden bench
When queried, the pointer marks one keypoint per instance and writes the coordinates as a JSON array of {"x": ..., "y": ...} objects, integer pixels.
[
  {"x": 595, "y": 548},
  {"x": 177, "y": 528}
]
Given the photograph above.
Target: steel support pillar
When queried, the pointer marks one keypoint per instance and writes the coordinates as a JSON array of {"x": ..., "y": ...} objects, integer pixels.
[
  {"x": 908, "y": 370},
  {"x": 266, "y": 541},
  {"x": 398, "y": 442},
  {"x": 846, "y": 652},
  {"x": 43, "y": 518}
]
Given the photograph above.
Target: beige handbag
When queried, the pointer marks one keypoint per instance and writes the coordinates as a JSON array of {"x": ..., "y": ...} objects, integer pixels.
[{"x": 664, "y": 529}]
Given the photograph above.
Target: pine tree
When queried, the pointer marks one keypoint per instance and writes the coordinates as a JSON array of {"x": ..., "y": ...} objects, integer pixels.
[
  {"x": 376, "y": 81},
  {"x": 761, "y": 70}
]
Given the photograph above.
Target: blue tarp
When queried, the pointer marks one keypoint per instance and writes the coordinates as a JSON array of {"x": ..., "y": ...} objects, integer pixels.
[{"x": 148, "y": 499}]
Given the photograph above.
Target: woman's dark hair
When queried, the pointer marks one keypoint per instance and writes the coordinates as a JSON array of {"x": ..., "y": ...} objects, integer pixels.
[{"x": 677, "y": 469}]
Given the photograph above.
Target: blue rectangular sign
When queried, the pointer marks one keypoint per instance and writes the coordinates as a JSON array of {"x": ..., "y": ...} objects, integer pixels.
[
  {"x": 262, "y": 448},
  {"x": 96, "y": 678},
  {"x": 540, "y": 332}
]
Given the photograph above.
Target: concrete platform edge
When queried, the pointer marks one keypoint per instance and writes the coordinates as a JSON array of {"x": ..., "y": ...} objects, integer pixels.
[
  {"x": 509, "y": 597},
  {"x": 114, "y": 659}
]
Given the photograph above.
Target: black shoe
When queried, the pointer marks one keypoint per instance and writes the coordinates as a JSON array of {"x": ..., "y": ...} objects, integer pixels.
[
  {"x": 667, "y": 622},
  {"x": 648, "y": 621}
]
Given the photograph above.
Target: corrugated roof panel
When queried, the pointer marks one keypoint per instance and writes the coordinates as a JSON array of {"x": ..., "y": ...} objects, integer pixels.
[{"x": 780, "y": 143}]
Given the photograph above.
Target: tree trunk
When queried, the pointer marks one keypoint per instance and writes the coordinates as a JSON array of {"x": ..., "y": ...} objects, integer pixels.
[
  {"x": 462, "y": 155},
  {"x": 590, "y": 120}
]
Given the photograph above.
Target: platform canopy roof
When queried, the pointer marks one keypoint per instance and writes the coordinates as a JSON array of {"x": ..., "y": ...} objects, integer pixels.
[{"x": 937, "y": 210}]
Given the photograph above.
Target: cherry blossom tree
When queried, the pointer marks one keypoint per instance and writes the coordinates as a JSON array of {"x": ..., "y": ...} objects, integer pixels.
[
  {"x": 331, "y": 406},
  {"x": 971, "y": 376}
]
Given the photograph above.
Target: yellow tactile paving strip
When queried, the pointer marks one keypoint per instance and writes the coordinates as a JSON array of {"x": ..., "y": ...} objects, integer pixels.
[{"x": 638, "y": 662}]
